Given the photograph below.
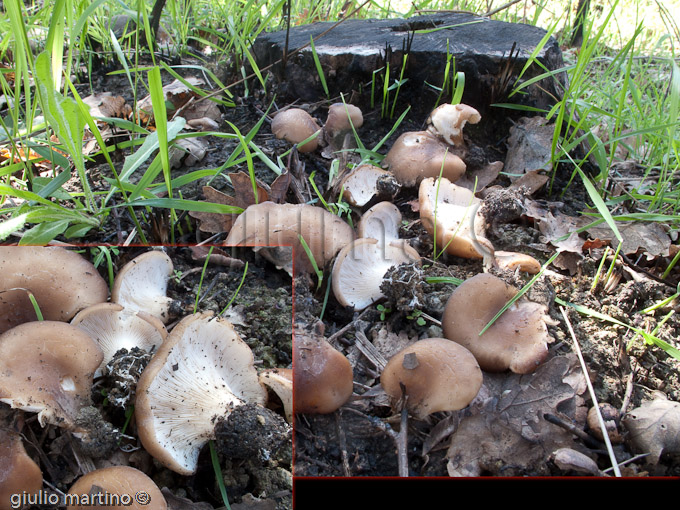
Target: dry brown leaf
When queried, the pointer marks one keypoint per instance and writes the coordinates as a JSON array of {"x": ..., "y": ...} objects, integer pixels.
[
  {"x": 187, "y": 151},
  {"x": 107, "y": 105},
  {"x": 176, "y": 93},
  {"x": 505, "y": 429},
  {"x": 243, "y": 197},
  {"x": 654, "y": 428},
  {"x": 479, "y": 179},
  {"x": 532, "y": 181},
  {"x": 529, "y": 146},
  {"x": 651, "y": 237}
]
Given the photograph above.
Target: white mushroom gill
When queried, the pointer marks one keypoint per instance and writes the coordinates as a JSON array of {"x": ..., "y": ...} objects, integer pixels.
[
  {"x": 142, "y": 284},
  {"x": 207, "y": 373}
]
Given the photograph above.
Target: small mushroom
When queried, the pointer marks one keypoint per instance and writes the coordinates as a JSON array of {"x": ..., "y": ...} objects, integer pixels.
[
  {"x": 295, "y": 125},
  {"x": 61, "y": 280},
  {"x": 198, "y": 375},
  {"x": 142, "y": 284},
  {"x": 280, "y": 381},
  {"x": 19, "y": 474},
  {"x": 446, "y": 211},
  {"x": 270, "y": 224},
  {"x": 115, "y": 487},
  {"x": 435, "y": 374},
  {"x": 417, "y": 155},
  {"x": 361, "y": 184},
  {"x": 322, "y": 376},
  {"x": 359, "y": 270},
  {"x": 47, "y": 367},
  {"x": 512, "y": 261},
  {"x": 114, "y": 327},
  {"x": 517, "y": 340},
  {"x": 341, "y": 118},
  {"x": 447, "y": 122}
]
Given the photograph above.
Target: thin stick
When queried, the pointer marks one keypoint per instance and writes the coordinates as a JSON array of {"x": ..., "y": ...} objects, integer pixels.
[
  {"x": 402, "y": 437},
  {"x": 577, "y": 348}
]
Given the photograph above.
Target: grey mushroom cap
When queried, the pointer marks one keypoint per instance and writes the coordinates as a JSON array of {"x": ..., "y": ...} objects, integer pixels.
[
  {"x": 47, "y": 367},
  {"x": 417, "y": 155},
  {"x": 295, "y": 125},
  {"x": 62, "y": 281}
]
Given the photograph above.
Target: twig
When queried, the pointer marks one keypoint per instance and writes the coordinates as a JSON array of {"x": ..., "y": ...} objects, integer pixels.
[
  {"x": 591, "y": 390},
  {"x": 402, "y": 437},
  {"x": 342, "y": 443}
]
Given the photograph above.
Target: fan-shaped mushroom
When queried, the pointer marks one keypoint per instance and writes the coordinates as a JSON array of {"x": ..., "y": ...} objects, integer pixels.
[
  {"x": 142, "y": 284},
  {"x": 435, "y": 374},
  {"x": 448, "y": 120},
  {"x": 359, "y": 270},
  {"x": 19, "y": 474},
  {"x": 115, "y": 327},
  {"x": 295, "y": 125},
  {"x": 322, "y": 375},
  {"x": 417, "y": 155},
  {"x": 201, "y": 372},
  {"x": 61, "y": 280},
  {"x": 517, "y": 340},
  {"x": 445, "y": 212},
  {"x": 270, "y": 224},
  {"x": 115, "y": 487},
  {"x": 47, "y": 367}
]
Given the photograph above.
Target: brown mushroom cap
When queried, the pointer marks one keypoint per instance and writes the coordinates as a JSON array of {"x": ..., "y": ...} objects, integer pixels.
[
  {"x": 18, "y": 472},
  {"x": 360, "y": 268},
  {"x": 517, "y": 340},
  {"x": 115, "y": 487},
  {"x": 47, "y": 367},
  {"x": 510, "y": 260},
  {"x": 437, "y": 375},
  {"x": 62, "y": 281},
  {"x": 322, "y": 375},
  {"x": 280, "y": 381},
  {"x": 447, "y": 121},
  {"x": 445, "y": 210},
  {"x": 270, "y": 224},
  {"x": 339, "y": 117},
  {"x": 142, "y": 284},
  {"x": 295, "y": 125},
  {"x": 114, "y": 327},
  {"x": 201, "y": 372},
  {"x": 361, "y": 184},
  {"x": 417, "y": 155}
]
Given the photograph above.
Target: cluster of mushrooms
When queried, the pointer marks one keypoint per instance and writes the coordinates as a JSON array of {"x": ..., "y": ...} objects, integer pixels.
[
  {"x": 435, "y": 374},
  {"x": 196, "y": 373}
]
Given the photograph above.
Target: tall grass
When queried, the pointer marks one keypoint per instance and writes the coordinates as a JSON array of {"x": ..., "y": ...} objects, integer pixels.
[{"x": 623, "y": 95}]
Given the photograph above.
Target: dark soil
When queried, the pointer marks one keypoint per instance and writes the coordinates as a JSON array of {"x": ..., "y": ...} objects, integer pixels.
[{"x": 261, "y": 313}]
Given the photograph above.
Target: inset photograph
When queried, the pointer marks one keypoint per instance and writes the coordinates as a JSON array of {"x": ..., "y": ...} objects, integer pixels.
[{"x": 162, "y": 369}]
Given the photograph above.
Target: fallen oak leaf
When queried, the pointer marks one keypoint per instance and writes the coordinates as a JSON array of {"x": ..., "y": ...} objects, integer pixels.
[
  {"x": 654, "y": 428},
  {"x": 214, "y": 223},
  {"x": 648, "y": 236}
]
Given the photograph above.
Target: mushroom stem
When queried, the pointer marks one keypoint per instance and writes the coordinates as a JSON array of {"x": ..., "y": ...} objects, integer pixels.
[{"x": 487, "y": 253}]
